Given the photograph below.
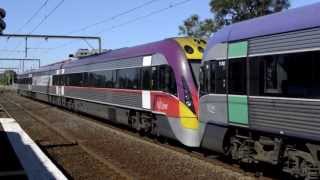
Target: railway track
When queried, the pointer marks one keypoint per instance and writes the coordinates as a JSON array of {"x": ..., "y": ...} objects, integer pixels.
[{"x": 84, "y": 147}]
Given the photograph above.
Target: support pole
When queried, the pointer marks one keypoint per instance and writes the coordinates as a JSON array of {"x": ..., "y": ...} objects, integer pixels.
[
  {"x": 100, "y": 49},
  {"x": 25, "y": 53}
]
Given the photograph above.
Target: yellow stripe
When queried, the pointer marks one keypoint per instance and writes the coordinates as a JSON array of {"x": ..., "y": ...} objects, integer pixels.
[{"x": 187, "y": 118}]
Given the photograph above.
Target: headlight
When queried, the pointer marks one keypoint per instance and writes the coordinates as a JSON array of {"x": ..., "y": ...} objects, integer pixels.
[{"x": 187, "y": 95}]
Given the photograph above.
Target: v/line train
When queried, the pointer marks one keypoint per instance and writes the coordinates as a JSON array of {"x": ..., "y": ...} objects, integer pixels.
[
  {"x": 260, "y": 90},
  {"x": 151, "y": 88}
]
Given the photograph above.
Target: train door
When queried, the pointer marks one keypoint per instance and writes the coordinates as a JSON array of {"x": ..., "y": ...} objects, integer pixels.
[
  {"x": 60, "y": 85},
  {"x": 146, "y": 82},
  {"x": 237, "y": 83}
]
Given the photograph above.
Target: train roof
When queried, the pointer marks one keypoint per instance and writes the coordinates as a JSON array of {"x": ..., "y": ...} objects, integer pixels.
[
  {"x": 289, "y": 20},
  {"x": 166, "y": 46}
]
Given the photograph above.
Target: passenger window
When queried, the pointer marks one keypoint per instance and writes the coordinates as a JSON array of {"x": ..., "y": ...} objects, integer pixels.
[
  {"x": 128, "y": 78},
  {"x": 85, "y": 79},
  {"x": 146, "y": 78},
  {"x": 167, "y": 80},
  {"x": 114, "y": 79},
  {"x": 99, "y": 79},
  {"x": 220, "y": 76},
  {"x": 213, "y": 77},
  {"x": 108, "y": 79},
  {"x": 155, "y": 81},
  {"x": 237, "y": 76},
  {"x": 54, "y": 80}
]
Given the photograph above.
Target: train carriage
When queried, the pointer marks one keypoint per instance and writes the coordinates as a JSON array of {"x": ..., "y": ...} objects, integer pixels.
[
  {"x": 151, "y": 87},
  {"x": 260, "y": 90}
]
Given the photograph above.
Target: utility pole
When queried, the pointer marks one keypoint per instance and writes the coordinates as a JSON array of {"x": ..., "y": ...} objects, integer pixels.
[{"x": 25, "y": 53}]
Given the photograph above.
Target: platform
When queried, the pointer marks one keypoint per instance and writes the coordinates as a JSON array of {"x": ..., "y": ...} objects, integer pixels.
[{"x": 33, "y": 163}]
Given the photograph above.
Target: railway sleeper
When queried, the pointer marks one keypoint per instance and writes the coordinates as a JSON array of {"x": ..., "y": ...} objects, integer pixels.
[{"x": 297, "y": 158}]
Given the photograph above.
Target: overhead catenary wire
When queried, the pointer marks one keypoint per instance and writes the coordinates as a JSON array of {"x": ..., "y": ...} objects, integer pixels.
[
  {"x": 113, "y": 17},
  {"x": 155, "y": 12},
  {"x": 47, "y": 16},
  {"x": 29, "y": 20},
  {"x": 33, "y": 16},
  {"x": 144, "y": 16},
  {"x": 88, "y": 43},
  {"x": 43, "y": 20}
]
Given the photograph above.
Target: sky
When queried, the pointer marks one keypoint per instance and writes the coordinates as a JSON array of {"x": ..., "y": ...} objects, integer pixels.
[{"x": 147, "y": 21}]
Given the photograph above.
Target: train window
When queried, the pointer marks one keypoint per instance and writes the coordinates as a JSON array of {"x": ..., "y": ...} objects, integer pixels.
[
  {"x": 290, "y": 75},
  {"x": 166, "y": 80},
  {"x": 237, "y": 76},
  {"x": 85, "y": 79},
  {"x": 74, "y": 79},
  {"x": 271, "y": 72},
  {"x": 128, "y": 78},
  {"x": 108, "y": 79},
  {"x": 211, "y": 73},
  {"x": 213, "y": 77},
  {"x": 22, "y": 81},
  {"x": 204, "y": 78},
  {"x": 220, "y": 75},
  {"x": 268, "y": 76},
  {"x": 146, "y": 78},
  {"x": 55, "y": 80},
  {"x": 99, "y": 79},
  {"x": 114, "y": 78},
  {"x": 195, "y": 70},
  {"x": 91, "y": 81},
  {"x": 63, "y": 80},
  {"x": 154, "y": 82}
]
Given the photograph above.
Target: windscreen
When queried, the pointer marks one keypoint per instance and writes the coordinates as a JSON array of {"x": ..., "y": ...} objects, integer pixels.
[{"x": 195, "y": 68}]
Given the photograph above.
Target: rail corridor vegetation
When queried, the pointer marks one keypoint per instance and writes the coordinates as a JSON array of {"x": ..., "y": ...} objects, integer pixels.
[
  {"x": 7, "y": 77},
  {"x": 226, "y": 12}
]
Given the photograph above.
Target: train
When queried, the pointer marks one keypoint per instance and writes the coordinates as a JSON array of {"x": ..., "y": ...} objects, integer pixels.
[
  {"x": 252, "y": 93},
  {"x": 152, "y": 88},
  {"x": 260, "y": 90}
]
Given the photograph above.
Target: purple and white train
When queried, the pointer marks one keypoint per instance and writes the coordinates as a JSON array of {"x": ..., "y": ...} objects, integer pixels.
[{"x": 151, "y": 88}]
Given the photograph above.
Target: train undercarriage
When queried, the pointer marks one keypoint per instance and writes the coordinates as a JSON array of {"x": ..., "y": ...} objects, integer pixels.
[{"x": 296, "y": 157}]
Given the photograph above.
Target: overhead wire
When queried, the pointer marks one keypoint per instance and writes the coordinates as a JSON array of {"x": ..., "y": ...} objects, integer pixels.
[
  {"x": 144, "y": 16},
  {"x": 33, "y": 16},
  {"x": 172, "y": 5},
  {"x": 43, "y": 20},
  {"x": 47, "y": 16},
  {"x": 30, "y": 19},
  {"x": 113, "y": 17},
  {"x": 86, "y": 41}
]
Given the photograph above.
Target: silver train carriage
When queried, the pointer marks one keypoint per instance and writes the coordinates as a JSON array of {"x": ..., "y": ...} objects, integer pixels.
[{"x": 260, "y": 91}]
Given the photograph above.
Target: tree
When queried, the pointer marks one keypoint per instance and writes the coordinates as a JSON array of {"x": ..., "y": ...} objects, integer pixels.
[
  {"x": 195, "y": 28},
  {"x": 7, "y": 77},
  {"x": 230, "y": 11}
]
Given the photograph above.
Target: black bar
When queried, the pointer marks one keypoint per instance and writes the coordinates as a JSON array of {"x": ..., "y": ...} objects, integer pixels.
[
  {"x": 7, "y": 68},
  {"x": 45, "y": 36},
  {"x": 49, "y": 36},
  {"x": 18, "y": 59}
]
